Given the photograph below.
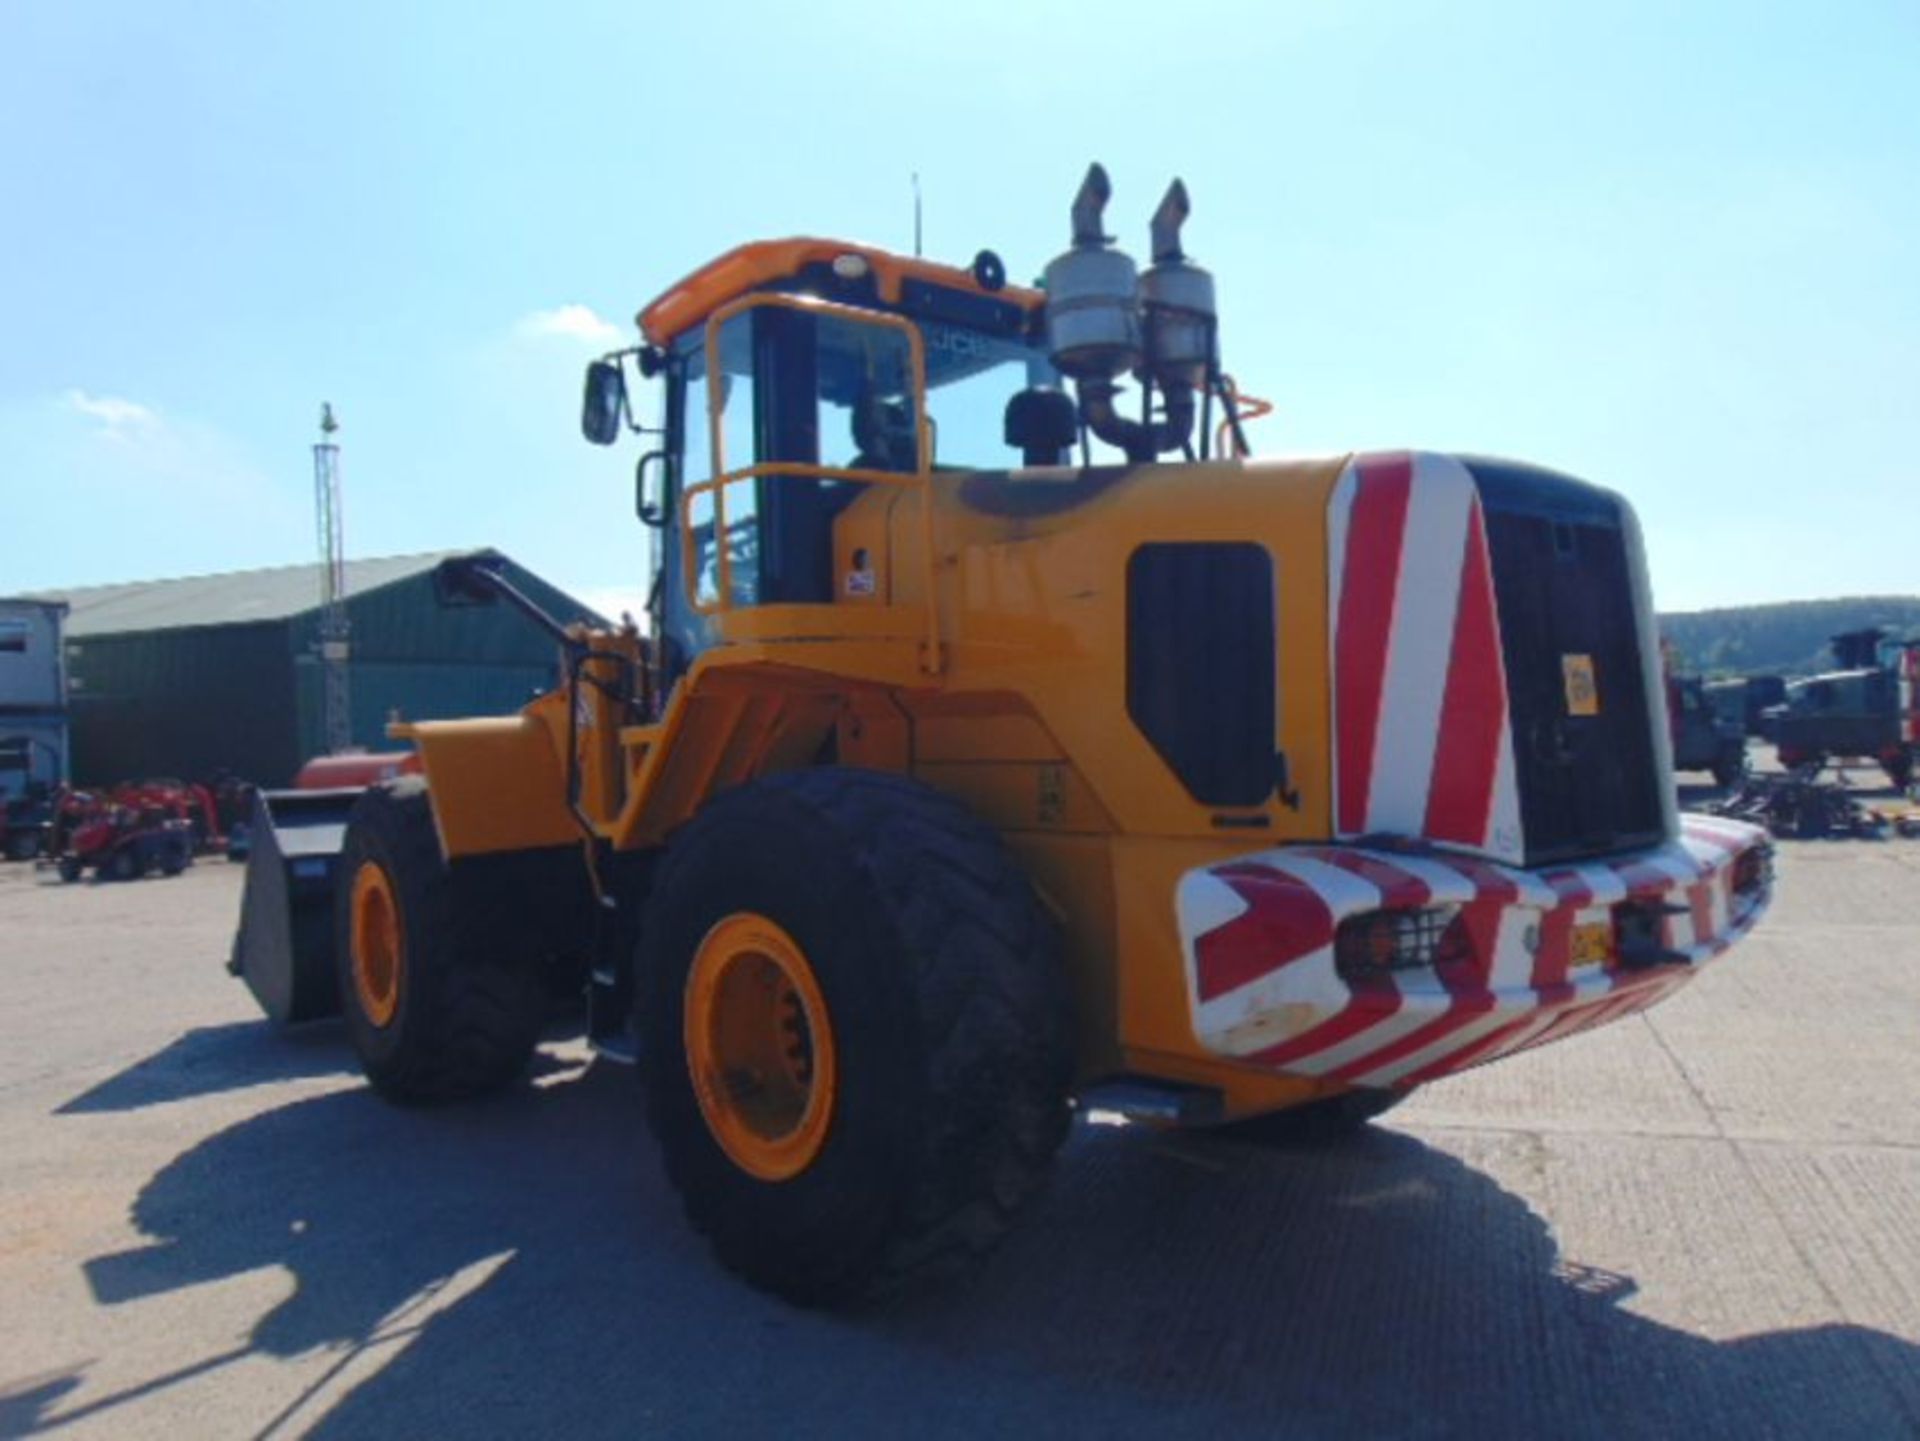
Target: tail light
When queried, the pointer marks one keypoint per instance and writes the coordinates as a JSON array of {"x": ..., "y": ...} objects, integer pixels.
[
  {"x": 1373, "y": 945},
  {"x": 1752, "y": 878}
]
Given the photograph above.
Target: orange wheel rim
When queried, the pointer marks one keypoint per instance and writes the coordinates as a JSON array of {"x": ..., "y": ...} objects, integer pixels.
[
  {"x": 378, "y": 941},
  {"x": 760, "y": 1047}
]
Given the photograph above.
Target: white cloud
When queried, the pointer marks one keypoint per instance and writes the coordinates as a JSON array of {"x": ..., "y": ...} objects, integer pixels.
[
  {"x": 142, "y": 491},
  {"x": 571, "y": 322},
  {"x": 119, "y": 418}
]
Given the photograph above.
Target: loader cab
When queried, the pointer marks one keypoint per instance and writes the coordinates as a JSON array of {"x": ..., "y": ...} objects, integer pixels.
[{"x": 800, "y": 375}]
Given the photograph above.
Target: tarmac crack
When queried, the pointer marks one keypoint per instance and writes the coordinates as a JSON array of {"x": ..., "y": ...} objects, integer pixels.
[{"x": 1758, "y": 1187}]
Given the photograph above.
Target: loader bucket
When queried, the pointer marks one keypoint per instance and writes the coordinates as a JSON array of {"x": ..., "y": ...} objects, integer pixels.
[{"x": 284, "y": 948}]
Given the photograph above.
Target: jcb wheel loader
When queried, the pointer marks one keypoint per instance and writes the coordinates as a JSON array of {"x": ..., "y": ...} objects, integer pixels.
[{"x": 1001, "y": 745}]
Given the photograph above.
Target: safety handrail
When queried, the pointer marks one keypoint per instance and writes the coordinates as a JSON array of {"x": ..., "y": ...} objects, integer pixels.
[{"x": 916, "y": 480}]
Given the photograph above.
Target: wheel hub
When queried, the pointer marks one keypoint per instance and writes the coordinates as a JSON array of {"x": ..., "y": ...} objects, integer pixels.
[
  {"x": 378, "y": 944},
  {"x": 760, "y": 1047}
]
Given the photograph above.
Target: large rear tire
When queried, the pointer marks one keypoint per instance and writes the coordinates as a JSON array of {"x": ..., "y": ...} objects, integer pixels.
[
  {"x": 435, "y": 1014},
  {"x": 854, "y": 1033}
]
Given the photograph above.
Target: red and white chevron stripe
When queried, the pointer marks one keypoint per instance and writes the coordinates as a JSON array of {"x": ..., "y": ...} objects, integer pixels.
[
  {"x": 1258, "y": 933},
  {"x": 1421, "y": 742}
]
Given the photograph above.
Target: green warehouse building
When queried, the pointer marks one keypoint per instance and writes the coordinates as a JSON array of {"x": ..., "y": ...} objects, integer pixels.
[{"x": 214, "y": 673}]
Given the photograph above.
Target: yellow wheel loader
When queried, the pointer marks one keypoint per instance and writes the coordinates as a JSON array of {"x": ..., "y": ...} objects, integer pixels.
[{"x": 1006, "y": 740}]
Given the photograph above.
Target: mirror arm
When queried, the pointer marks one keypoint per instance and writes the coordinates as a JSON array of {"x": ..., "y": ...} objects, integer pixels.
[{"x": 649, "y": 360}]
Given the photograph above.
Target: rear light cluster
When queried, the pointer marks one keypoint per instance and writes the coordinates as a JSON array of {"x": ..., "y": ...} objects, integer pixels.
[
  {"x": 1752, "y": 878},
  {"x": 1375, "y": 944}
]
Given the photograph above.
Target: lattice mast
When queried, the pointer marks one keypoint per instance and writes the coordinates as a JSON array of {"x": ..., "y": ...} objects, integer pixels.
[{"x": 333, "y": 586}]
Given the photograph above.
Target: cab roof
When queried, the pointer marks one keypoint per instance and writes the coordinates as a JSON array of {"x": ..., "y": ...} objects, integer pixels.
[{"x": 763, "y": 262}]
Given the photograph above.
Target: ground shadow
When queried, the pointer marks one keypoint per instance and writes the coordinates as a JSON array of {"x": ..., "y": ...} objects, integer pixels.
[
  {"x": 210, "y": 1059},
  {"x": 25, "y": 1401},
  {"x": 1177, "y": 1286}
]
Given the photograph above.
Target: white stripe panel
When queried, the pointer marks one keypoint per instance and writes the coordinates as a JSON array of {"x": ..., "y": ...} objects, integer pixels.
[
  {"x": 1717, "y": 907},
  {"x": 1730, "y": 833},
  {"x": 1339, "y": 512},
  {"x": 1604, "y": 882},
  {"x": 1203, "y": 902},
  {"x": 1520, "y": 1037},
  {"x": 1512, "y": 961},
  {"x": 1376, "y": 1037},
  {"x": 1419, "y": 645},
  {"x": 1505, "y": 838},
  {"x": 1311, "y": 979},
  {"x": 1710, "y": 854},
  {"x": 1715, "y": 862},
  {"x": 1449, "y": 886},
  {"x": 1445, "y": 1046},
  {"x": 1345, "y": 893}
]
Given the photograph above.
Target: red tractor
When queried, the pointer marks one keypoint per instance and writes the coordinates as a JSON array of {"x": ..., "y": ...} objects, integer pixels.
[{"x": 118, "y": 841}]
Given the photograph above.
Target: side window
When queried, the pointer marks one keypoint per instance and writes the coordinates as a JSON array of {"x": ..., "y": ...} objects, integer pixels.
[
  {"x": 740, "y": 503},
  {"x": 13, "y": 637}
]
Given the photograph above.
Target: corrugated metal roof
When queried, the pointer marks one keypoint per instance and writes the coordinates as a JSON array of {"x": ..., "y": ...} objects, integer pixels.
[{"x": 236, "y": 598}]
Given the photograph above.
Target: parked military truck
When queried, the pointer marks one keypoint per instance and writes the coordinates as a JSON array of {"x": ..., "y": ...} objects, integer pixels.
[
  {"x": 1867, "y": 708},
  {"x": 1704, "y": 737},
  {"x": 1744, "y": 700}
]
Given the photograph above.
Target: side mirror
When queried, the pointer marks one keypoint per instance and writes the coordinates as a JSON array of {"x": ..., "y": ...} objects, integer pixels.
[
  {"x": 604, "y": 403},
  {"x": 463, "y": 581},
  {"x": 1042, "y": 423}
]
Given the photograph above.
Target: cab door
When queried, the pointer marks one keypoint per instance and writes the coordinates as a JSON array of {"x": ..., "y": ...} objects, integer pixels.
[{"x": 793, "y": 386}]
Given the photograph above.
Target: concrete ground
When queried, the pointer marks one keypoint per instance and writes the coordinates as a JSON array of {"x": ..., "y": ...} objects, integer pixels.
[{"x": 1704, "y": 1222}]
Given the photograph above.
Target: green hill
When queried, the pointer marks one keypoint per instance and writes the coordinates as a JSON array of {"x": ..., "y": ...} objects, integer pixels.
[{"x": 1786, "y": 638}]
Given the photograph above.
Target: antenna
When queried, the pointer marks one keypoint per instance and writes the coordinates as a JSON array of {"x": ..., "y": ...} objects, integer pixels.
[
  {"x": 916, "y": 215},
  {"x": 333, "y": 585}
]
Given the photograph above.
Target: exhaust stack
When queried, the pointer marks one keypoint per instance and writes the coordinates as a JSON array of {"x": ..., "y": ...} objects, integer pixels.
[
  {"x": 1105, "y": 319},
  {"x": 1182, "y": 326},
  {"x": 1093, "y": 307}
]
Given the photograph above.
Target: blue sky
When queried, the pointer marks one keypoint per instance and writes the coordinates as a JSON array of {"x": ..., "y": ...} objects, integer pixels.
[{"x": 1669, "y": 248}]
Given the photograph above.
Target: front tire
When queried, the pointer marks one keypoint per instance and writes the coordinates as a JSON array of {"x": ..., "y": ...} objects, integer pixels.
[
  {"x": 433, "y": 1013},
  {"x": 879, "y": 1116}
]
